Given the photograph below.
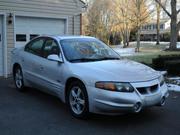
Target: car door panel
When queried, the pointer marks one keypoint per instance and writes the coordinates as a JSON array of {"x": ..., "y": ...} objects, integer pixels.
[
  {"x": 31, "y": 62},
  {"x": 51, "y": 70}
]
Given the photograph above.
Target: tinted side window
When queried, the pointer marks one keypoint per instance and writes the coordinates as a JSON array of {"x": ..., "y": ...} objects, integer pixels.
[
  {"x": 35, "y": 47},
  {"x": 50, "y": 47}
]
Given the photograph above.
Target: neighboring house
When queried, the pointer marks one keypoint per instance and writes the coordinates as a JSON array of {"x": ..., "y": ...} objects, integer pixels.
[
  {"x": 149, "y": 30},
  {"x": 22, "y": 20}
]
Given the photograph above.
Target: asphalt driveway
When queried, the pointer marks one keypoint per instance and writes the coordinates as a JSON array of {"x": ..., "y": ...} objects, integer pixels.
[{"x": 36, "y": 113}]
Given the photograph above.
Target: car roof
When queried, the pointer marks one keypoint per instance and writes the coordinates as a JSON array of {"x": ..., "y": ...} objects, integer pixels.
[{"x": 67, "y": 37}]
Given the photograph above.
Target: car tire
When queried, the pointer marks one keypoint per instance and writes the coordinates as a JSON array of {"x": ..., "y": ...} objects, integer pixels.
[
  {"x": 18, "y": 79},
  {"x": 77, "y": 100}
]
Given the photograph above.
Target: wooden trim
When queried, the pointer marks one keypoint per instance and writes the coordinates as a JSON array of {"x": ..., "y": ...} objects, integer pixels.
[{"x": 4, "y": 44}]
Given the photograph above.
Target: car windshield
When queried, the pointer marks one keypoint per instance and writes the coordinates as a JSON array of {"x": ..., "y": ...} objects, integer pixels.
[{"x": 87, "y": 49}]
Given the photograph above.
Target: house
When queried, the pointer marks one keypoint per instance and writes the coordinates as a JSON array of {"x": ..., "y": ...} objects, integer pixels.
[
  {"x": 149, "y": 30},
  {"x": 22, "y": 20}
]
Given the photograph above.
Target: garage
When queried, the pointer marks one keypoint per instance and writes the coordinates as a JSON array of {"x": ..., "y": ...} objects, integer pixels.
[{"x": 27, "y": 28}]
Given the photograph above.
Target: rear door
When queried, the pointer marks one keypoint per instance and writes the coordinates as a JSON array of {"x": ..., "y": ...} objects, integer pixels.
[{"x": 31, "y": 61}]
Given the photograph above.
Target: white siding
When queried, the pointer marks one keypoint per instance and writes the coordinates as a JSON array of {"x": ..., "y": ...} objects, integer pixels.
[{"x": 77, "y": 25}]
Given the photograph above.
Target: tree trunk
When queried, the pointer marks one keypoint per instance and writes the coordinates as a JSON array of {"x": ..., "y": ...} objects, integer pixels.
[
  {"x": 178, "y": 29},
  {"x": 174, "y": 24},
  {"x": 158, "y": 25},
  {"x": 174, "y": 30},
  {"x": 138, "y": 40},
  {"x": 138, "y": 25},
  {"x": 128, "y": 36}
]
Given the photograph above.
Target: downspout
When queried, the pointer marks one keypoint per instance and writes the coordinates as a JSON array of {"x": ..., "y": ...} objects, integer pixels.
[{"x": 81, "y": 24}]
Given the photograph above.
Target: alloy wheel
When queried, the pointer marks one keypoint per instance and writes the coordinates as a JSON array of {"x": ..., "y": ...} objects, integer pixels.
[
  {"x": 77, "y": 100},
  {"x": 18, "y": 79}
]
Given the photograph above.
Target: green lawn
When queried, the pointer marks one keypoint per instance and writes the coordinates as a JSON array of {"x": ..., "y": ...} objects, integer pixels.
[
  {"x": 147, "y": 57},
  {"x": 150, "y": 51}
]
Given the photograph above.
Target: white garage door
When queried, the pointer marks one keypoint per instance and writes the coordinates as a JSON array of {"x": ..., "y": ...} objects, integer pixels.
[
  {"x": 27, "y": 28},
  {"x": 1, "y": 48}
]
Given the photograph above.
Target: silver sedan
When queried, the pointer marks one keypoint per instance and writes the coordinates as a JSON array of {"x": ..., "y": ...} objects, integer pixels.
[{"x": 87, "y": 75}]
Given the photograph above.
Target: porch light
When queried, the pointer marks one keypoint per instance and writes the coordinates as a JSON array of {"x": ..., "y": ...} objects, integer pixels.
[{"x": 10, "y": 18}]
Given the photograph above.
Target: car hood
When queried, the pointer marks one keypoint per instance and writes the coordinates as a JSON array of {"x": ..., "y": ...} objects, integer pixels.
[{"x": 115, "y": 70}]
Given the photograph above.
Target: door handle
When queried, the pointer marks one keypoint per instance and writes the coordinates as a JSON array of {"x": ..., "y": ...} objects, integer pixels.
[
  {"x": 22, "y": 59},
  {"x": 41, "y": 68}
]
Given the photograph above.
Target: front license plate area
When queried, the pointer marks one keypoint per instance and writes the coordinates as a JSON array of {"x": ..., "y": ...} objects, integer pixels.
[{"x": 152, "y": 99}]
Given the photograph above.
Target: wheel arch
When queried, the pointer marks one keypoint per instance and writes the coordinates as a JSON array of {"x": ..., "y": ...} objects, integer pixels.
[
  {"x": 69, "y": 81},
  {"x": 15, "y": 65}
]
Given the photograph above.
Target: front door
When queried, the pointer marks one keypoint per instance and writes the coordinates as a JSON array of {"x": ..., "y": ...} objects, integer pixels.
[{"x": 51, "y": 70}]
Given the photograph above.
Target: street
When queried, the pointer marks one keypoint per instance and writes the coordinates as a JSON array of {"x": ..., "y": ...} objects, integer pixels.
[{"x": 37, "y": 113}]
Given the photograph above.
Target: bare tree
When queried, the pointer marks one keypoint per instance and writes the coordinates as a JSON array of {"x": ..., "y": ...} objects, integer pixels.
[
  {"x": 99, "y": 19},
  {"x": 141, "y": 15},
  {"x": 175, "y": 24},
  {"x": 158, "y": 11},
  {"x": 105, "y": 17},
  {"x": 122, "y": 22}
]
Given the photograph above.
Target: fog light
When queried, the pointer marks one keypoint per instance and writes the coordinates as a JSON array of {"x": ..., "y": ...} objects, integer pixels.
[
  {"x": 162, "y": 103},
  {"x": 137, "y": 107}
]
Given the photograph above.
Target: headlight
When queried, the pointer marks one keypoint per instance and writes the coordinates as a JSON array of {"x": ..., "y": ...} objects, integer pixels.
[
  {"x": 161, "y": 80},
  {"x": 121, "y": 87}
]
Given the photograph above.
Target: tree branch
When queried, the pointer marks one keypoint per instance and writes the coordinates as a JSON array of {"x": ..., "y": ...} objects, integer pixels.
[
  {"x": 163, "y": 7},
  {"x": 178, "y": 26},
  {"x": 178, "y": 11}
]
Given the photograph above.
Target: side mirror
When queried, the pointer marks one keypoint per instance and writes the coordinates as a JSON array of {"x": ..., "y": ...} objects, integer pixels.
[{"x": 55, "y": 57}]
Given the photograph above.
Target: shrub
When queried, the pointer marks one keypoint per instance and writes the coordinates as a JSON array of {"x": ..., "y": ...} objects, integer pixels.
[
  {"x": 173, "y": 67},
  {"x": 159, "y": 63},
  {"x": 171, "y": 63}
]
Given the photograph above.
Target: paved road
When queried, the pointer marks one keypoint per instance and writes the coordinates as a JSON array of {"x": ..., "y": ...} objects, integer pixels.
[{"x": 36, "y": 113}]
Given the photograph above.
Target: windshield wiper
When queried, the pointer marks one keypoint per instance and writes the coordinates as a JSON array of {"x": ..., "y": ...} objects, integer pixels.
[
  {"x": 82, "y": 60},
  {"x": 89, "y": 59},
  {"x": 109, "y": 58}
]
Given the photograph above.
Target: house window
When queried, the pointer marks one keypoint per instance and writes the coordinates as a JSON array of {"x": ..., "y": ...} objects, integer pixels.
[
  {"x": 154, "y": 27},
  {"x": 146, "y": 27},
  {"x": 32, "y": 36},
  {"x": 162, "y": 26},
  {"x": 20, "y": 37},
  {"x": 149, "y": 27}
]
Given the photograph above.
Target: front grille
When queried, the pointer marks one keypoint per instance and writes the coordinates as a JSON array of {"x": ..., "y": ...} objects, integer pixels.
[{"x": 148, "y": 90}]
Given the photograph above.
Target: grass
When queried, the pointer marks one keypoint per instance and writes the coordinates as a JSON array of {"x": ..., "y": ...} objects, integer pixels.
[
  {"x": 149, "y": 51},
  {"x": 147, "y": 57}
]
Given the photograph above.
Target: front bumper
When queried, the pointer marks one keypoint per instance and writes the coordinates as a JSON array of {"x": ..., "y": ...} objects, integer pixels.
[{"x": 108, "y": 102}]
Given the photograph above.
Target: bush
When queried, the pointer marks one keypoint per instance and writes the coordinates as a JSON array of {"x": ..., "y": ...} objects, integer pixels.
[
  {"x": 159, "y": 63},
  {"x": 173, "y": 67},
  {"x": 166, "y": 37},
  {"x": 171, "y": 63}
]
